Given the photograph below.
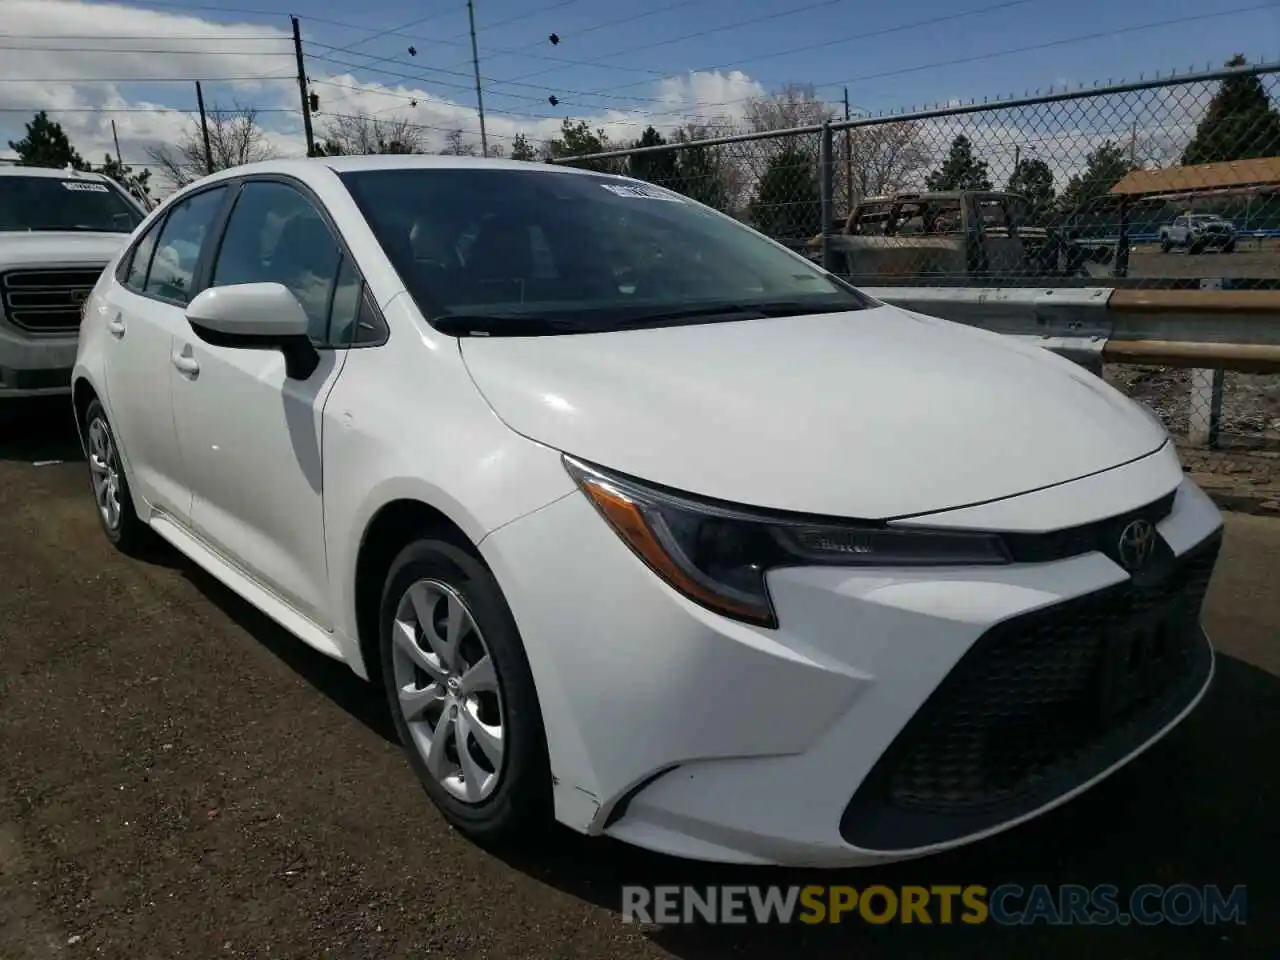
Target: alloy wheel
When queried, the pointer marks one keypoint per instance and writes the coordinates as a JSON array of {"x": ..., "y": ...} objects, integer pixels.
[
  {"x": 448, "y": 690},
  {"x": 104, "y": 472}
]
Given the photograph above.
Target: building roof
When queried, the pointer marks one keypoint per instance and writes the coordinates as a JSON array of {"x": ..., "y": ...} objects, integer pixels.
[{"x": 1231, "y": 174}]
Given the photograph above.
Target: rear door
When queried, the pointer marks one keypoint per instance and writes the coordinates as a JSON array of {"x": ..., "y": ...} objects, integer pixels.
[{"x": 146, "y": 313}]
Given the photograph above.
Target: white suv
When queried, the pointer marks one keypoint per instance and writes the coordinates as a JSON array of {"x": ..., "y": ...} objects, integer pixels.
[
  {"x": 58, "y": 229},
  {"x": 641, "y": 520}
]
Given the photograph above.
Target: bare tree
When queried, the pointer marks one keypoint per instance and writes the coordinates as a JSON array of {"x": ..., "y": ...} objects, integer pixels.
[
  {"x": 360, "y": 136},
  {"x": 795, "y": 105},
  {"x": 455, "y": 146},
  {"x": 235, "y": 138},
  {"x": 878, "y": 159}
]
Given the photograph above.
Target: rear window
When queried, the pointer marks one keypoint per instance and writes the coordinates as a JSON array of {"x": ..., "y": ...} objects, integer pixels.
[{"x": 52, "y": 203}]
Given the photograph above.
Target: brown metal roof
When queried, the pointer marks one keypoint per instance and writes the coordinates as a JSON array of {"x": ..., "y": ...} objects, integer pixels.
[{"x": 1264, "y": 171}]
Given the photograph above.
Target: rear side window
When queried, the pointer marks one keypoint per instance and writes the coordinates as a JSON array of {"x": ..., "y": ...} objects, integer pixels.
[
  {"x": 135, "y": 277},
  {"x": 173, "y": 267}
]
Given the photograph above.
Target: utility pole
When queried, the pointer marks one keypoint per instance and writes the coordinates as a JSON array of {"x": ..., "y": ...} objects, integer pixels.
[
  {"x": 116, "y": 137},
  {"x": 848, "y": 156},
  {"x": 204, "y": 130},
  {"x": 302, "y": 88},
  {"x": 1017, "y": 157},
  {"x": 475, "y": 62},
  {"x": 1133, "y": 145}
]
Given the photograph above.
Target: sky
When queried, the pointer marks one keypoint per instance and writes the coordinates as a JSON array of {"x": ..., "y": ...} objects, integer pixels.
[{"x": 659, "y": 62}]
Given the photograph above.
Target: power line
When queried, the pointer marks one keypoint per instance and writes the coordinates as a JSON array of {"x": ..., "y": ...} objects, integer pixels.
[
  {"x": 81, "y": 80},
  {"x": 489, "y": 81},
  {"x": 851, "y": 38},
  {"x": 156, "y": 109},
  {"x": 162, "y": 52},
  {"x": 697, "y": 34},
  {"x": 977, "y": 58},
  {"x": 138, "y": 36}
]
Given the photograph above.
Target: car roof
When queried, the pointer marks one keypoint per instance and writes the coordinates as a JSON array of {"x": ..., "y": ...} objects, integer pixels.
[
  {"x": 308, "y": 168},
  {"x": 16, "y": 170}
]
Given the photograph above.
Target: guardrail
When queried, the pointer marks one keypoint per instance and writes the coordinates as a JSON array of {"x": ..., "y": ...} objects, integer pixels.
[{"x": 1209, "y": 331}]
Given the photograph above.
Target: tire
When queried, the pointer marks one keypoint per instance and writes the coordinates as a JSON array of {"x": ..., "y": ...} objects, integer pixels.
[
  {"x": 503, "y": 803},
  {"x": 113, "y": 498},
  {"x": 1165, "y": 245},
  {"x": 1229, "y": 247}
]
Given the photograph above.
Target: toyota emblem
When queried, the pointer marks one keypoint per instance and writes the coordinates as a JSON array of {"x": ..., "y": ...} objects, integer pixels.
[{"x": 1137, "y": 541}]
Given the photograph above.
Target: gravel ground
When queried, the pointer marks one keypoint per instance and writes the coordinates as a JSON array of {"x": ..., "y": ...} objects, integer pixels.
[{"x": 179, "y": 778}]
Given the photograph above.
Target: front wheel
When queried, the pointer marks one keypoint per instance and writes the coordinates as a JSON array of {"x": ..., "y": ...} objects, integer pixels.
[
  {"x": 1229, "y": 247},
  {"x": 1165, "y": 245},
  {"x": 110, "y": 487},
  {"x": 462, "y": 695}
]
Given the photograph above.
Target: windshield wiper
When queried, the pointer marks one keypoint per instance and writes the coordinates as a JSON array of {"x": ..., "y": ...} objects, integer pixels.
[
  {"x": 731, "y": 311},
  {"x": 499, "y": 324}
]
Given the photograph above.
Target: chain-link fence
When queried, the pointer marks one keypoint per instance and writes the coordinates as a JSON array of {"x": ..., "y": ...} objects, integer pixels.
[{"x": 1167, "y": 183}]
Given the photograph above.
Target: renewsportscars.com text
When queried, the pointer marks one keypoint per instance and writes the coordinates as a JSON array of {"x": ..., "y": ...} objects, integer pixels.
[{"x": 1005, "y": 905}]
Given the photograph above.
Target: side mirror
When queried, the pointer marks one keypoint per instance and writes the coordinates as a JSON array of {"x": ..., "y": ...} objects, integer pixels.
[{"x": 256, "y": 316}]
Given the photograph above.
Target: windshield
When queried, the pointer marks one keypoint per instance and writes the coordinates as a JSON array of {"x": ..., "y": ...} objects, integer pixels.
[
  {"x": 512, "y": 249},
  {"x": 52, "y": 203}
]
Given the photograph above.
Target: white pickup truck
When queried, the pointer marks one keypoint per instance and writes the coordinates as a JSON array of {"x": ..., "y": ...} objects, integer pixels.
[
  {"x": 58, "y": 230},
  {"x": 1198, "y": 231}
]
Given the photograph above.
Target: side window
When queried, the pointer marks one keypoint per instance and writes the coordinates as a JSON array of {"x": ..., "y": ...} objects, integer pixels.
[
  {"x": 135, "y": 277},
  {"x": 276, "y": 235},
  {"x": 353, "y": 320},
  {"x": 173, "y": 267},
  {"x": 345, "y": 312}
]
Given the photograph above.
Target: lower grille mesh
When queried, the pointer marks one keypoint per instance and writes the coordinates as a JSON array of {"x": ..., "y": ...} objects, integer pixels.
[{"x": 1047, "y": 700}]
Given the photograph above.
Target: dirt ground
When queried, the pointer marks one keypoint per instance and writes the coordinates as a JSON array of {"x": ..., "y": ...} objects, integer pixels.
[{"x": 179, "y": 778}]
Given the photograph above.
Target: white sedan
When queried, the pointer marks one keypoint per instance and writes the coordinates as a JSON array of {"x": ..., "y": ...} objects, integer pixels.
[{"x": 643, "y": 522}]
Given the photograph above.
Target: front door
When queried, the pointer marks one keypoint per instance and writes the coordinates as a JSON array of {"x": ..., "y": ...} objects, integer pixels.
[{"x": 252, "y": 437}]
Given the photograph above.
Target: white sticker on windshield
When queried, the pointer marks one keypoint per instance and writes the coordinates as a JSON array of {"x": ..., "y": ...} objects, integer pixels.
[
  {"x": 85, "y": 187},
  {"x": 637, "y": 192}
]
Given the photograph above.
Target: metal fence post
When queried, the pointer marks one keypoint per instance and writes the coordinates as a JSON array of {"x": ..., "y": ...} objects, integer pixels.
[
  {"x": 1204, "y": 418},
  {"x": 826, "y": 169}
]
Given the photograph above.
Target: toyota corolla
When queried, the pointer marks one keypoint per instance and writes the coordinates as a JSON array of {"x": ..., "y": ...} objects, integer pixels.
[{"x": 643, "y": 522}]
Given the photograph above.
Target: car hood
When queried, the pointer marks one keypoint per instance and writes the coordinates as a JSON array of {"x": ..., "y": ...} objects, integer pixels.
[
  {"x": 871, "y": 414},
  {"x": 58, "y": 247}
]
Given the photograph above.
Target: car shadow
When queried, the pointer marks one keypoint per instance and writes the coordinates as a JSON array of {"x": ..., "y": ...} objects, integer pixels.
[
  {"x": 334, "y": 680},
  {"x": 39, "y": 430}
]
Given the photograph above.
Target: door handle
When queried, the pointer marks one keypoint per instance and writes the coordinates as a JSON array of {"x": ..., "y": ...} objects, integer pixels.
[
  {"x": 187, "y": 364},
  {"x": 116, "y": 326}
]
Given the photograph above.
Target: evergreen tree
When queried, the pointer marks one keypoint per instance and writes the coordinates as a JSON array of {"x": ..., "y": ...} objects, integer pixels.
[
  {"x": 961, "y": 171},
  {"x": 659, "y": 168},
  {"x": 46, "y": 145},
  {"x": 521, "y": 149},
  {"x": 702, "y": 173},
  {"x": 1033, "y": 179},
  {"x": 137, "y": 183},
  {"x": 1103, "y": 169},
  {"x": 577, "y": 139},
  {"x": 788, "y": 202},
  {"x": 1239, "y": 124}
]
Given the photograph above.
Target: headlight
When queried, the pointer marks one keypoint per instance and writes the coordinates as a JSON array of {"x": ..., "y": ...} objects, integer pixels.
[{"x": 718, "y": 555}]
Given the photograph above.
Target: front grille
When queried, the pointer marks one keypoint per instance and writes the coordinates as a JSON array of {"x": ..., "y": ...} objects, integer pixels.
[
  {"x": 47, "y": 300},
  {"x": 1040, "y": 704}
]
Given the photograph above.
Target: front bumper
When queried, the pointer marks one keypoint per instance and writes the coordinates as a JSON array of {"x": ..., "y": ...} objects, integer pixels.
[
  {"x": 874, "y": 724},
  {"x": 35, "y": 365}
]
